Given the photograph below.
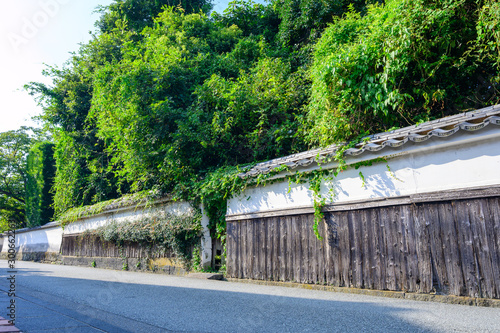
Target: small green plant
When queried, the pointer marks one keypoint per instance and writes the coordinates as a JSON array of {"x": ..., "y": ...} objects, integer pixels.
[
  {"x": 196, "y": 259},
  {"x": 138, "y": 264},
  {"x": 363, "y": 180},
  {"x": 392, "y": 173},
  {"x": 125, "y": 266},
  {"x": 93, "y": 264}
]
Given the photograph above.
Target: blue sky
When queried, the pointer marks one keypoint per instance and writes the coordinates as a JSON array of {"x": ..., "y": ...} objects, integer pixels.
[{"x": 38, "y": 32}]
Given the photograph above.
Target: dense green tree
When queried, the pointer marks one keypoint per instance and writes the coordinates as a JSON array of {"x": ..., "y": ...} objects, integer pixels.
[
  {"x": 14, "y": 147},
  {"x": 138, "y": 101},
  {"x": 121, "y": 108},
  {"x": 135, "y": 15},
  {"x": 253, "y": 19},
  {"x": 194, "y": 95},
  {"x": 401, "y": 63},
  {"x": 82, "y": 175},
  {"x": 303, "y": 21},
  {"x": 40, "y": 171},
  {"x": 253, "y": 118}
]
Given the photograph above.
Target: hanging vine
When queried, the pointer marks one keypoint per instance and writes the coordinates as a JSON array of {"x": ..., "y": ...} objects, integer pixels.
[{"x": 158, "y": 232}]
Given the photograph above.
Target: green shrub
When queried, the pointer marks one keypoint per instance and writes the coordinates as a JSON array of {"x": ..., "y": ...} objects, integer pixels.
[{"x": 157, "y": 230}]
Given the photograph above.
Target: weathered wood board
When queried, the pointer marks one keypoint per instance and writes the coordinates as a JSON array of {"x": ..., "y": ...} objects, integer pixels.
[
  {"x": 450, "y": 247},
  {"x": 93, "y": 246}
]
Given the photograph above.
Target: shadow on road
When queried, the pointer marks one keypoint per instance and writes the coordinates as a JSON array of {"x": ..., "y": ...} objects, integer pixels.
[{"x": 133, "y": 307}]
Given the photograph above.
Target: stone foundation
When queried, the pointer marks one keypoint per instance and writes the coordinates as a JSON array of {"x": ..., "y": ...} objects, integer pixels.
[
  {"x": 45, "y": 257},
  {"x": 159, "y": 265}
]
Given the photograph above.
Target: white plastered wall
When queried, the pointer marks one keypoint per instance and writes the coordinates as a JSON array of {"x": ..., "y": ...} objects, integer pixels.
[
  {"x": 131, "y": 214},
  {"x": 42, "y": 239},
  {"x": 124, "y": 215},
  {"x": 464, "y": 160},
  {"x": 48, "y": 238}
]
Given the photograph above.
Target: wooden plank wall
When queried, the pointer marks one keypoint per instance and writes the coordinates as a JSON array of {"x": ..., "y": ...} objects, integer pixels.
[
  {"x": 452, "y": 247},
  {"x": 93, "y": 246}
]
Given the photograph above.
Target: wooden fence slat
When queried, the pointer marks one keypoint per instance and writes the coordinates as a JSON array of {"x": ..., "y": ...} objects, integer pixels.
[
  {"x": 282, "y": 248},
  {"x": 336, "y": 252},
  {"x": 423, "y": 249},
  {"x": 403, "y": 249},
  {"x": 399, "y": 266},
  {"x": 262, "y": 250},
  {"x": 290, "y": 251},
  {"x": 493, "y": 230},
  {"x": 390, "y": 245},
  {"x": 269, "y": 247},
  {"x": 321, "y": 257},
  {"x": 477, "y": 214},
  {"x": 305, "y": 250},
  {"x": 345, "y": 251},
  {"x": 466, "y": 244},
  {"x": 250, "y": 248},
  {"x": 297, "y": 248},
  {"x": 313, "y": 253},
  {"x": 276, "y": 249},
  {"x": 328, "y": 244},
  {"x": 410, "y": 259},
  {"x": 242, "y": 249},
  {"x": 380, "y": 251},
  {"x": 356, "y": 237},
  {"x": 450, "y": 242},
  {"x": 252, "y": 245},
  {"x": 238, "y": 269},
  {"x": 367, "y": 249},
  {"x": 245, "y": 251},
  {"x": 229, "y": 249},
  {"x": 440, "y": 278},
  {"x": 396, "y": 238},
  {"x": 306, "y": 225}
]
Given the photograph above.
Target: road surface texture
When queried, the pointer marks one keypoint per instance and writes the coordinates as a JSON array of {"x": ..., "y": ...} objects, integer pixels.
[{"x": 54, "y": 298}]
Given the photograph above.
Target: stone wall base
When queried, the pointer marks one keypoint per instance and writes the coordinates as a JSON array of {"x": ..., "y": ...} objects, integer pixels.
[
  {"x": 45, "y": 257},
  {"x": 450, "y": 299},
  {"x": 158, "y": 265}
]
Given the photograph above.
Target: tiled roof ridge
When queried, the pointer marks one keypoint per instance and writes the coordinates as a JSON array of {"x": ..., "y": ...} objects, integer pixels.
[{"x": 444, "y": 127}]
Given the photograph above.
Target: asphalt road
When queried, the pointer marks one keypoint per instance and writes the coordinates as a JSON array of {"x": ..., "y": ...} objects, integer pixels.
[{"x": 53, "y": 298}]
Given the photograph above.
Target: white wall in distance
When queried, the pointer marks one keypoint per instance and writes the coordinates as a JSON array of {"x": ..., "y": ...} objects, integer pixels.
[{"x": 45, "y": 239}]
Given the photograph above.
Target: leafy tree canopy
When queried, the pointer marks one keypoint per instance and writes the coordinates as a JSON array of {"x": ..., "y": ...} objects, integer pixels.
[
  {"x": 134, "y": 15},
  {"x": 303, "y": 21},
  {"x": 14, "y": 147},
  {"x": 194, "y": 95},
  {"x": 401, "y": 63}
]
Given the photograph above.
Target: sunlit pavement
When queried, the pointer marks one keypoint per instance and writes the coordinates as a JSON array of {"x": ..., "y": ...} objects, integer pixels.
[{"x": 54, "y": 298}]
